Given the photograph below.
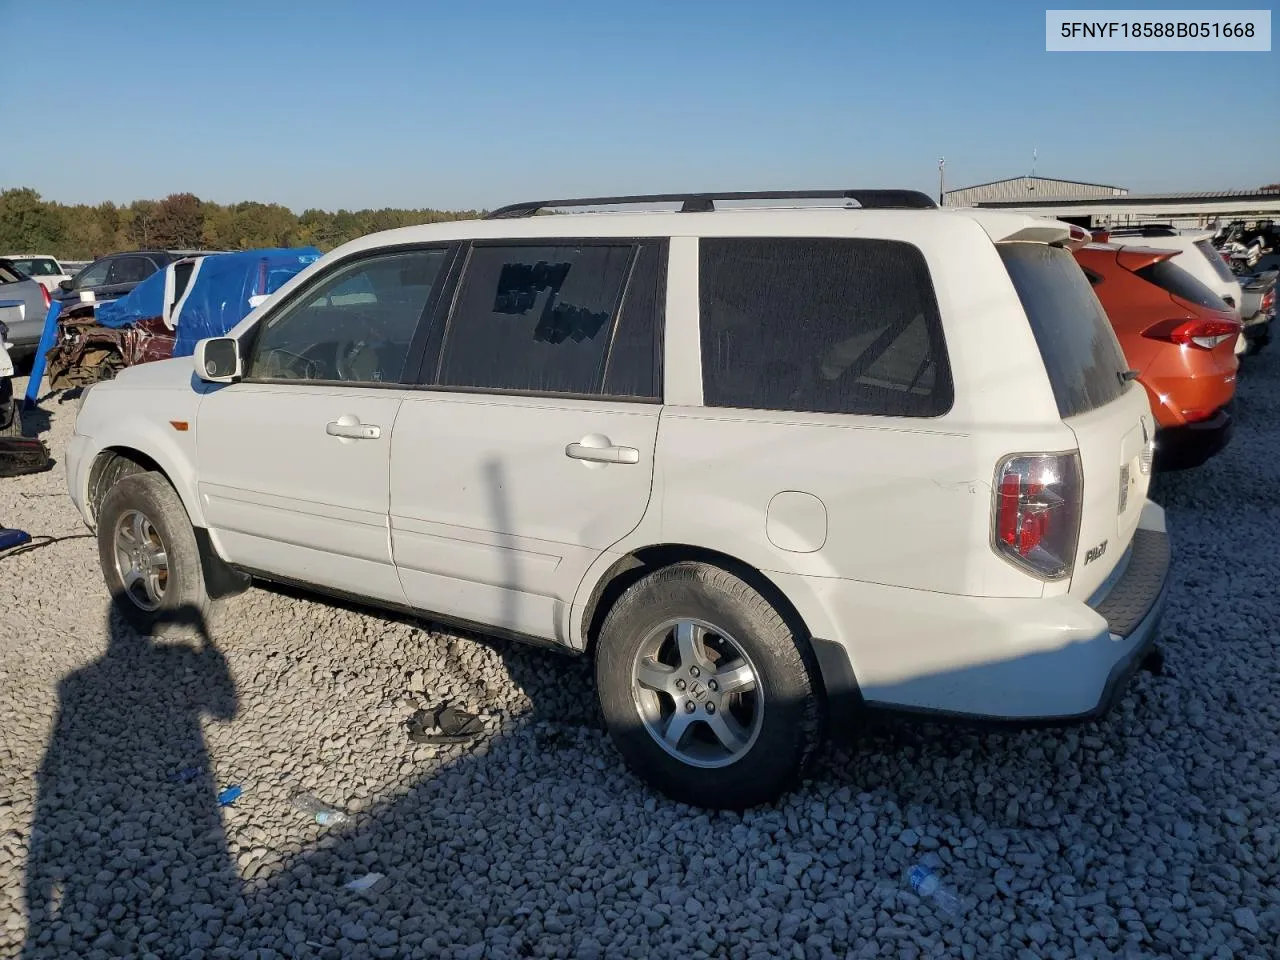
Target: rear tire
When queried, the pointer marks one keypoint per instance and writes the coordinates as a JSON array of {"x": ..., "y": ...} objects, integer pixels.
[
  {"x": 150, "y": 559},
  {"x": 730, "y": 743}
]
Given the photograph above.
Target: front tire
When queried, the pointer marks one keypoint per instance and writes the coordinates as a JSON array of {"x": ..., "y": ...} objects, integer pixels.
[
  {"x": 150, "y": 559},
  {"x": 707, "y": 693}
]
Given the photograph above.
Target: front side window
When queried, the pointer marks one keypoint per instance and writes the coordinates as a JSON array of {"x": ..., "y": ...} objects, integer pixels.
[
  {"x": 94, "y": 275},
  {"x": 354, "y": 325},
  {"x": 821, "y": 325},
  {"x": 536, "y": 319}
]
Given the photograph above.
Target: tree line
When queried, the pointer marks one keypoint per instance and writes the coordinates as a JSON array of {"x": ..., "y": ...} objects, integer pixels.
[{"x": 182, "y": 221}]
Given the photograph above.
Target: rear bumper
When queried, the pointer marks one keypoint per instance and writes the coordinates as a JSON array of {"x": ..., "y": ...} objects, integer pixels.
[
  {"x": 1258, "y": 334},
  {"x": 1052, "y": 661},
  {"x": 1190, "y": 445}
]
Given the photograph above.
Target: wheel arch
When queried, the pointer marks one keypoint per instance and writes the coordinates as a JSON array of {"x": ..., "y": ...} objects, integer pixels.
[
  {"x": 112, "y": 464},
  {"x": 835, "y": 671},
  {"x": 640, "y": 562},
  {"x": 150, "y": 450}
]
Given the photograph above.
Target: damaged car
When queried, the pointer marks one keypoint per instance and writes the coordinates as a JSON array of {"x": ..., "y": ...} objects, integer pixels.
[
  {"x": 166, "y": 314},
  {"x": 19, "y": 454}
]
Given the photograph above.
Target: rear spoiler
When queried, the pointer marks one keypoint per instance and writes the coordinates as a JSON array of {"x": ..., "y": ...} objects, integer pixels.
[
  {"x": 1080, "y": 237},
  {"x": 1134, "y": 259}
]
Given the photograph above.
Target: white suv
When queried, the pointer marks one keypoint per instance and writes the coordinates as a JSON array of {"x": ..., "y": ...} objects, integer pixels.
[{"x": 768, "y": 466}]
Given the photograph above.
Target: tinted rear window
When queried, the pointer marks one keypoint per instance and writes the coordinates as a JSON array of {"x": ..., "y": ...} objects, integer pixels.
[
  {"x": 1081, "y": 354},
  {"x": 1167, "y": 275},
  {"x": 1215, "y": 258},
  {"x": 821, "y": 325}
]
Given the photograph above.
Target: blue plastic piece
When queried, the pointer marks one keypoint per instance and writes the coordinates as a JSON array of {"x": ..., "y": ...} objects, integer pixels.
[
  {"x": 216, "y": 299},
  {"x": 228, "y": 796},
  {"x": 219, "y": 294},
  {"x": 47, "y": 336},
  {"x": 10, "y": 538}
]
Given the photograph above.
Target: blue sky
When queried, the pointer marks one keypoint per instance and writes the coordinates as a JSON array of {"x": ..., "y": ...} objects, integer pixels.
[{"x": 400, "y": 103}]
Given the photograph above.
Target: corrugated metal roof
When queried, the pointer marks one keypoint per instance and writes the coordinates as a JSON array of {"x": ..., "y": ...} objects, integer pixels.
[
  {"x": 1074, "y": 183},
  {"x": 1201, "y": 196},
  {"x": 1022, "y": 189}
]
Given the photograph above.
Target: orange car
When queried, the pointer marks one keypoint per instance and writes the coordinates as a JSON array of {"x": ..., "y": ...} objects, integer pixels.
[{"x": 1179, "y": 337}]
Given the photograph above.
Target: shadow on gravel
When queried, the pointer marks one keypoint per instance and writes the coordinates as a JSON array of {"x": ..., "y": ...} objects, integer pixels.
[{"x": 127, "y": 841}]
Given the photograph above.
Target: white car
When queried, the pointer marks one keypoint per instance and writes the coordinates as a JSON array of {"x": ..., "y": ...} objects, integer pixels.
[
  {"x": 43, "y": 269},
  {"x": 769, "y": 467}
]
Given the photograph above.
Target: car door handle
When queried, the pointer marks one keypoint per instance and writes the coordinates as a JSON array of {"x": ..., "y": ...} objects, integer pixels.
[
  {"x": 353, "y": 431},
  {"x": 604, "y": 454}
]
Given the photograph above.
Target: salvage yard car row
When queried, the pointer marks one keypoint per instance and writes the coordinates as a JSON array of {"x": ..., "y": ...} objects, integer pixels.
[{"x": 765, "y": 465}]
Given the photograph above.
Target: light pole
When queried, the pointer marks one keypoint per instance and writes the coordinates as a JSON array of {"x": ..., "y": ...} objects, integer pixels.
[{"x": 942, "y": 195}]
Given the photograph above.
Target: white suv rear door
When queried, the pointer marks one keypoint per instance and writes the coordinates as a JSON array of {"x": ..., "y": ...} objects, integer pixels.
[
  {"x": 294, "y": 459},
  {"x": 1106, "y": 410},
  {"x": 529, "y": 450}
]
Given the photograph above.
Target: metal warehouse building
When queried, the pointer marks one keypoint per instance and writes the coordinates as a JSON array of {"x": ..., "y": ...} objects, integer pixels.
[{"x": 1029, "y": 190}]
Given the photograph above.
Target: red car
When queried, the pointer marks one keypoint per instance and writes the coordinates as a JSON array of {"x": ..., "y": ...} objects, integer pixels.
[{"x": 1180, "y": 338}]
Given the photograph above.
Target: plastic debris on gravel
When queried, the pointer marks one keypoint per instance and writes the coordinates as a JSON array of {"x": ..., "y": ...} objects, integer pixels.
[{"x": 1155, "y": 832}]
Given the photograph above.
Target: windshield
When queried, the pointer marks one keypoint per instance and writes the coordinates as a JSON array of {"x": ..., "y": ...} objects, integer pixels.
[
  {"x": 1081, "y": 354},
  {"x": 37, "y": 266}
]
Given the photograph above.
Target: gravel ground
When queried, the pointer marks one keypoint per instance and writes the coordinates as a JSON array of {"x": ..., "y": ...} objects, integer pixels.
[{"x": 1152, "y": 833}]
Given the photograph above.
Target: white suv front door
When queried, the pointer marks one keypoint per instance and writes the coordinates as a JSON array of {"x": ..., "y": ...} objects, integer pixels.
[
  {"x": 530, "y": 451},
  {"x": 293, "y": 461}
]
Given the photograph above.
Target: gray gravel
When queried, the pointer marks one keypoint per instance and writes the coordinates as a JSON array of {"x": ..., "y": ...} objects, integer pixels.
[{"x": 1152, "y": 833}]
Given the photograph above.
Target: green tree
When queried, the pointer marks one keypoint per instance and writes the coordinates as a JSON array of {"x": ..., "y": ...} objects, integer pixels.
[
  {"x": 29, "y": 224},
  {"x": 182, "y": 220},
  {"x": 178, "y": 222}
]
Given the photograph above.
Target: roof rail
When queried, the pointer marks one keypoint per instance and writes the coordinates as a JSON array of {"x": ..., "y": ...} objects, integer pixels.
[{"x": 706, "y": 202}]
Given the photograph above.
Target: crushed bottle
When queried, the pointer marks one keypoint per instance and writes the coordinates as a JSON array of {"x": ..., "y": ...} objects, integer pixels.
[
  {"x": 319, "y": 811},
  {"x": 925, "y": 884}
]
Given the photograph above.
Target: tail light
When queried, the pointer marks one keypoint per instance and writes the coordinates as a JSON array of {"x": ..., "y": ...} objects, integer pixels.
[
  {"x": 1036, "y": 515},
  {"x": 48, "y": 300},
  {"x": 1205, "y": 334},
  {"x": 1269, "y": 301}
]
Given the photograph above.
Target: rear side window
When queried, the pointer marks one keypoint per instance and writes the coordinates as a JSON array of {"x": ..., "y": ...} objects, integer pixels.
[
  {"x": 1215, "y": 258},
  {"x": 821, "y": 325},
  {"x": 9, "y": 275},
  {"x": 181, "y": 277},
  {"x": 1081, "y": 354},
  {"x": 130, "y": 270},
  {"x": 544, "y": 319},
  {"x": 1167, "y": 275}
]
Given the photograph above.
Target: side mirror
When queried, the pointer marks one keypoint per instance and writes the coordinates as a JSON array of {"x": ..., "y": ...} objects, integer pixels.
[
  {"x": 217, "y": 360},
  {"x": 65, "y": 285}
]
